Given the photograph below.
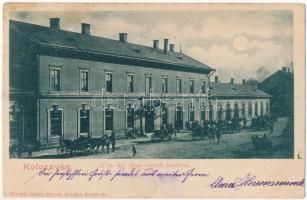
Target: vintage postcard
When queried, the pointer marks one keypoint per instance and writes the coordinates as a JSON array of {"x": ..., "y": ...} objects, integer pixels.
[{"x": 154, "y": 100}]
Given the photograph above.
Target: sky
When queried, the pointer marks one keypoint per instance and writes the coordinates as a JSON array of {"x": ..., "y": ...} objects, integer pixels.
[{"x": 239, "y": 44}]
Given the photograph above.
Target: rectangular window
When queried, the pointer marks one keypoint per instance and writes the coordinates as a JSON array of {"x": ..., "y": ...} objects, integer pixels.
[
  {"x": 148, "y": 84},
  {"x": 243, "y": 109},
  {"x": 130, "y": 83},
  {"x": 55, "y": 80},
  {"x": 179, "y": 86},
  {"x": 203, "y": 87},
  {"x": 109, "y": 119},
  {"x": 109, "y": 81},
  {"x": 250, "y": 109},
  {"x": 84, "y": 81},
  {"x": 256, "y": 108},
  {"x": 164, "y": 85},
  {"x": 191, "y": 84},
  {"x": 56, "y": 123},
  {"x": 85, "y": 121}
]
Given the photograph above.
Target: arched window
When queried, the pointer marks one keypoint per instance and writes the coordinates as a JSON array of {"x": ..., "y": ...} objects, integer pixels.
[
  {"x": 261, "y": 108},
  {"x": 203, "y": 112},
  {"x": 219, "y": 111},
  {"x": 164, "y": 114},
  {"x": 236, "y": 110},
  {"x": 130, "y": 117},
  {"x": 256, "y": 108},
  {"x": 109, "y": 119},
  {"x": 191, "y": 113},
  {"x": 228, "y": 111},
  {"x": 250, "y": 109},
  {"x": 267, "y": 108},
  {"x": 243, "y": 109},
  {"x": 210, "y": 112}
]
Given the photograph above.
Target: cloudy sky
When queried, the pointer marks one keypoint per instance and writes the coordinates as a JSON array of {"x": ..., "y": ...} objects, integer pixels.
[{"x": 239, "y": 44}]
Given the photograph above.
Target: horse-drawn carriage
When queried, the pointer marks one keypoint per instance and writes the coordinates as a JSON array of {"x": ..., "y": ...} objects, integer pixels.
[
  {"x": 130, "y": 133},
  {"x": 199, "y": 132},
  {"x": 160, "y": 135},
  {"x": 165, "y": 132},
  {"x": 18, "y": 148},
  {"x": 210, "y": 131},
  {"x": 82, "y": 145},
  {"x": 262, "y": 144},
  {"x": 260, "y": 123}
]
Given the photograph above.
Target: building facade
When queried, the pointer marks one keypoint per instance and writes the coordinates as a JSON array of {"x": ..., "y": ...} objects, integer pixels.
[
  {"x": 230, "y": 100},
  {"x": 65, "y": 84},
  {"x": 280, "y": 85}
]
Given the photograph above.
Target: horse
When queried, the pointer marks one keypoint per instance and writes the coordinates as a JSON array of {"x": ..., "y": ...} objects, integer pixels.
[
  {"x": 101, "y": 142},
  {"x": 18, "y": 148}
]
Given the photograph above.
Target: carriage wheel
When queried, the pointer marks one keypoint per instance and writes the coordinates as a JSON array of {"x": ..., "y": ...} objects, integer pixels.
[
  {"x": 88, "y": 149},
  {"x": 61, "y": 150}
]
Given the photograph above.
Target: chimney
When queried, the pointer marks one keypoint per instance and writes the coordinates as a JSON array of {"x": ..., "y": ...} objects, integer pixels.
[
  {"x": 86, "y": 29},
  {"x": 55, "y": 23},
  {"x": 171, "y": 47},
  {"x": 165, "y": 45},
  {"x": 231, "y": 80},
  {"x": 156, "y": 44},
  {"x": 216, "y": 79},
  {"x": 243, "y": 81},
  {"x": 123, "y": 37},
  {"x": 284, "y": 69}
]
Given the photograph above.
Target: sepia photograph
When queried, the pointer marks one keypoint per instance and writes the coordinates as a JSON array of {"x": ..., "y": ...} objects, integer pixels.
[
  {"x": 143, "y": 84},
  {"x": 170, "y": 100}
]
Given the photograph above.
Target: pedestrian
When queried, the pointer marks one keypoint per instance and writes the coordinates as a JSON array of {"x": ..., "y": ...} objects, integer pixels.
[
  {"x": 271, "y": 127},
  {"x": 113, "y": 141},
  {"x": 218, "y": 135},
  {"x": 107, "y": 141},
  {"x": 133, "y": 150}
]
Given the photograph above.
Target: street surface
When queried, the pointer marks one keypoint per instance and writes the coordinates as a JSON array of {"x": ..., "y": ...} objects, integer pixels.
[{"x": 236, "y": 145}]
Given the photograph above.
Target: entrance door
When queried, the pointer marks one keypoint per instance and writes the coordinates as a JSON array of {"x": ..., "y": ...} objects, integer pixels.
[
  {"x": 179, "y": 118},
  {"x": 149, "y": 121}
]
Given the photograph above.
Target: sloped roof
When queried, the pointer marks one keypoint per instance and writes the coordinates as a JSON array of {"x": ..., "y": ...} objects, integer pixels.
[
  {"x": 236, "y": 90},
  {"x": 82, "y": 42},
  {"x": 280, "y": 77}
]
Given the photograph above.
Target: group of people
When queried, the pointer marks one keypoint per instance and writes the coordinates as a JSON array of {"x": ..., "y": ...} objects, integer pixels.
[
  {"x": 110, "y": 140},
  {"x": 167, "y": 130},
  {"x": 235, "y": 124},
  {"x": 263, "y": 123}
]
